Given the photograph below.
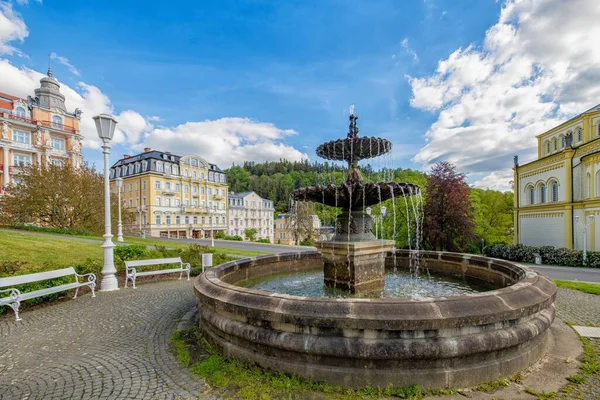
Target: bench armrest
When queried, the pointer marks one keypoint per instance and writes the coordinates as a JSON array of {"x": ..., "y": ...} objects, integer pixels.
[
  {"x": 14, "y": 293},
  {"x": 91, "y": 277},
  {"x": 186, "y": 265}
]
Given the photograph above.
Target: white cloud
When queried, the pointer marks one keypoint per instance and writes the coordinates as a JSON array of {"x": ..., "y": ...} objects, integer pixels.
[
  {"x": 537, "y": 67},
  {"x": 25, "y": 2},
  {"x": 65, "y": 61},
  {"x": 12, "y": 28},
  {"x": 225, "y": 141},
  {"x": 409, "y": 50}
]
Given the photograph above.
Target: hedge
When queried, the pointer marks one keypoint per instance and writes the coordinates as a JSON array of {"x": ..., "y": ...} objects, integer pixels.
[{"x": 550, "y": 255}]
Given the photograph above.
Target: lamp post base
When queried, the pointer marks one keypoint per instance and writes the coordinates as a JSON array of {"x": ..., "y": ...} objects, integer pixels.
[{"x": 109, "y": 280}]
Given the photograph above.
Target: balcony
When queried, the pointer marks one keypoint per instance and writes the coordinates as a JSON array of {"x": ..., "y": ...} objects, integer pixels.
[
  {"x": 218, "y": 197},
  {"x": 58, "y": 153},
  {"x": 191, "y": 210},
  {"x": 59, "y": 127},
  {"x": 168, "y": 192},
  {"x": 23, "y": 146},
  {"x": 20, "y": 119}
]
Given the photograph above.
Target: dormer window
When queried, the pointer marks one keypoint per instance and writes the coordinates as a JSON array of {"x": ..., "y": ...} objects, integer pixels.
[
  {"x": 579, "y": 135},
  {"x": 20, "y": 111},
  {"x": 547, "y": 147},
  {"x": 555, "y": 144},
  {"x": 562, "y": 142},
  {"x": 57, "y": 122},
  {"x": 159, "y": 167}
]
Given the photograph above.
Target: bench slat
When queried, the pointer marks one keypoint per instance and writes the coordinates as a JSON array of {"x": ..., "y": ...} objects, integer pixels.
[
  {"x": 40, "y": 276},
  {"x": 164, "y": 271},
  {"x": 44, "y": 292},
  {"x": 157, "y": 261}
]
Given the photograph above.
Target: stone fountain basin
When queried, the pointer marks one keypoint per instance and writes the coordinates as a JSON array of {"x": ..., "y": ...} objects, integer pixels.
[{"x": 456, "y": 341}]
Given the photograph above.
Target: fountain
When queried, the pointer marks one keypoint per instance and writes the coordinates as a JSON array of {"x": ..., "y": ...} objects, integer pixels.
[
  {"x": 435, "y": 339},
  {"x": 354, "y": 259}
]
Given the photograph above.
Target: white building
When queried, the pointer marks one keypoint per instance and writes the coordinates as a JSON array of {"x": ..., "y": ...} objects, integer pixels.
[
  {"x": 557, "y": 196},
  {"x": 248, "y": 210}
]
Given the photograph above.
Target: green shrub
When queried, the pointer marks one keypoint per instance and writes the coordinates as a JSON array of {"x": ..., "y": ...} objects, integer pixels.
[
  {"x": 91, "y": 265},
  {"x": 220, "y": 235},
  {"x": 265, "y": 240},
  {"x": 62, "y": 231},
  {"x": 235, "y": 237},
  {"x": 307, "y": 242},
  {"x": 131, "y": 252},
  {"x": 550, "y": 255}
]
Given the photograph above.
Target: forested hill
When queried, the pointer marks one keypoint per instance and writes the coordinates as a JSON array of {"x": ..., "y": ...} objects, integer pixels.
[{"x": 275, "y": 180}]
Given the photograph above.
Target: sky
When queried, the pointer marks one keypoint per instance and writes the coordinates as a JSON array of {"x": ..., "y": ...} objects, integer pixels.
[{"x": 471, "y": 82}]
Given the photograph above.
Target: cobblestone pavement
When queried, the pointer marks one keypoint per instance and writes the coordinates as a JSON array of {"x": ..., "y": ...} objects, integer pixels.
[
  {"x": 581, "y": 309},
  {"x": 114, "y": 346}
]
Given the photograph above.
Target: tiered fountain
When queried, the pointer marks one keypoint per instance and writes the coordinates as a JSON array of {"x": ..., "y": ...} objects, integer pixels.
[
  {"x": 354, "y": 259},
  {"x": 433, "y": 338}
]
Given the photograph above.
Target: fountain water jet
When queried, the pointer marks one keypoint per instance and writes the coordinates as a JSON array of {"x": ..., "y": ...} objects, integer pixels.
[{"x": 354, "y": 259}]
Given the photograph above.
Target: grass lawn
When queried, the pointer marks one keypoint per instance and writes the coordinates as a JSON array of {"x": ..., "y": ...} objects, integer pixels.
[
  {"x": 42, "y": 253},
  {"x": 591, "y": 288}
]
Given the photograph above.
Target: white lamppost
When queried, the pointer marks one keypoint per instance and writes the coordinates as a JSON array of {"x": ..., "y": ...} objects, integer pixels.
[
  {"x": 105, "y": 125},
  {"x": 119, "y": 225},
  {"x": 211, "y": 214},
  {"x": 584, "y": 226}
]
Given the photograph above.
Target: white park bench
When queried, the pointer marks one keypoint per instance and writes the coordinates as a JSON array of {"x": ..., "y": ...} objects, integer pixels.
[
  {"x": 15, "y": 297},
  {"x": 131, "y": 268}
]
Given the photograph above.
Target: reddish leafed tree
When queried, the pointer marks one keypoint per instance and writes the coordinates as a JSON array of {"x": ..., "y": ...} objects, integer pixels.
[{"x": 449, "y": 219}]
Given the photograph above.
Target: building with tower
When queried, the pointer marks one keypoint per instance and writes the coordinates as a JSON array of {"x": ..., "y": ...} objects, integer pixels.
[
  {"x": 250, "y": 211},
  {"x": 38, "y": 130}
]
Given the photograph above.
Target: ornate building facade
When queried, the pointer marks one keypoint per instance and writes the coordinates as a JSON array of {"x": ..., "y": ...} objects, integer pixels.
[
  {"x": 37, "y": 131},
  {"x": 557, "y": 196},
  {"x": 248, "y": 210},
  {"x": 172, "y": 196}
]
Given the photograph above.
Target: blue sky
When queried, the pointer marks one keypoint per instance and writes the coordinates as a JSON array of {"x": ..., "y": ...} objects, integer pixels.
[{"x": 273, "y": 79}]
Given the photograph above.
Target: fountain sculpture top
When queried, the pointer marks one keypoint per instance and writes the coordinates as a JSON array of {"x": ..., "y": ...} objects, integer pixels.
[{"x": 353, "y": 193}]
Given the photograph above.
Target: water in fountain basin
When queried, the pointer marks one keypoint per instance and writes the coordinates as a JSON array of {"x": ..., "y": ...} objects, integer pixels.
[{"x": 400, "y": 284}]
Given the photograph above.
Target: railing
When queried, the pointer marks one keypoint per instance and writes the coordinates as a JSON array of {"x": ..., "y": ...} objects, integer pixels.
[
  {"x": 58, "y": 152},
  {"x": 60, "y": 127},
  {"x": 21, "y": 119},
  {"x": 24, "y": 146}
]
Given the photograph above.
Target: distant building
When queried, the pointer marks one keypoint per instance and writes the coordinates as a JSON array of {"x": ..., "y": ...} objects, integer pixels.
[
  {"x": 559, "y": 192},
  {"x": 172, "y": 196},
  {"x": 37, "y": 131},
  {"x": 286, "y": 231},
  {"x": 248, "y": 210}
]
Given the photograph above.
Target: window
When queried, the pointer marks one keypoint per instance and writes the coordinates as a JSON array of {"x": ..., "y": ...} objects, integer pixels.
[
  {"x": 57, "y": 122},
  {"x": 186, "y": 188},
  {"x": 130, "y": 188},
  {"x": 588, "y": 185},
  {"x": 177, "y": 202},
  {"x": 20, "y": 111},
  {"x": 531, "y": 195},
  {"x": 185, "y": 173},
  {"x": 203, "y": 220},
  {"x": 143, "y": 201},
  {"x": 157, "y": 220},
  {"x": 159, "y": 167},
  {"x": 168, "y": 220},
  {"x": 194, "y": 189},
  {"x": 579, "y": 134},
  {"x": 130, "y": 203},
  {"x": 186, "y": 202},
  {"x": 177, "y": 219},
  {"x": 597, "y": 184},
  {"x": 196, "y": 220},
  {"x": 210, "y": 220},
  {"x": 167, "y": 202},
  {"x": 195, "y": 203},
  {"x": 157, "y": 201},
  {"x": 167, "y": 169},
  {"x": 598, "y": 130},
  {"x": 21, "y": 160},
  {"x": 143, "y": 185},
  {"x": 175, "y": 170},
  {"x": 177, "y": 187},
  {"x": 223, "y": 220},
  {"x": 157, "y": 185},
  {"x": 201, "y": 189},
  {"x": 210, "y": 191},
  {"x": 194, "y": 164},
  {"x": 58, "y": 163},
  {"x": 167, "y": 185},
  {"x": 21, "y": 137},
  {"x": 542, "y": 193},
  {"x": 555, "y": 144},
  {"x": 187, "y": 219},
  {"x": 194, "y": 174},
  {"x": 562, "y": 142}
]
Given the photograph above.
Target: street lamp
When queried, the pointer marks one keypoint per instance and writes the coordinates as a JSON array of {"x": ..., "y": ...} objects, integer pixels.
[
  {"x": 211, "y": 213},
  {"x": 584, "y": 226},
  {"x": 119, "y": 225},
  {"x": 105, "y": 125}
]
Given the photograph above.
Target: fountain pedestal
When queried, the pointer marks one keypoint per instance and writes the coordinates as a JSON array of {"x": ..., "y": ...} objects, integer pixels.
[{"x": 356, "y": 267}]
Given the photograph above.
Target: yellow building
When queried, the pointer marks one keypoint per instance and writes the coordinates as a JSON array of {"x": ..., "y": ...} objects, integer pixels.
[
  {"x": 557, "y": 196},
  {"x": 37, "y": 131},
  {"x": 172, "y": 196}
]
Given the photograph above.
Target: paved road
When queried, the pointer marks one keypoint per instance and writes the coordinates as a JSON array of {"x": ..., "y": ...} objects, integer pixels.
[
  {"x": 114, "y": 346},
  {"x": 568, "y": 273}
]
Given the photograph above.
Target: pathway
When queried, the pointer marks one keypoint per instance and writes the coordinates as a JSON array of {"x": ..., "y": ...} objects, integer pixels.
[{"x": 114, "y": 346}]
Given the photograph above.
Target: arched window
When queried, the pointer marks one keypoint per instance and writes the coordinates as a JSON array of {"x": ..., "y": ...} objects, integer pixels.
[
  {"x": 555, "y": 144},
  {"x": 547, "y": 147},
  {"x": 562, "y": 142},
  {"x": 579, "y": 134},
  {"x": 20, "y": 111},
  {"x": 588, "y": 185},
  {"x": 542, "y": 193},
  {"x": 57, "y": 122},
  {"x": 531, "y": 195},
  {"x": 554, "y": 186}
]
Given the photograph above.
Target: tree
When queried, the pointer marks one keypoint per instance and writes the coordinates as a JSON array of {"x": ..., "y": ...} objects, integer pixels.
[
  {"x": 59, "y": 197},
  {"x": 448, "y": 223},
  {"x": 493, "y": 216},
  {"x": 302, "y": 222},
  {"x": 250, "y": 233}
]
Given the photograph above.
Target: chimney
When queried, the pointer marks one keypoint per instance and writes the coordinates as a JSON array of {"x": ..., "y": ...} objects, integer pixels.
[
  {"x": 168, "y": 152},
  {"x": 147, "y": 149},
  {"x": 126, "y": 156}
]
